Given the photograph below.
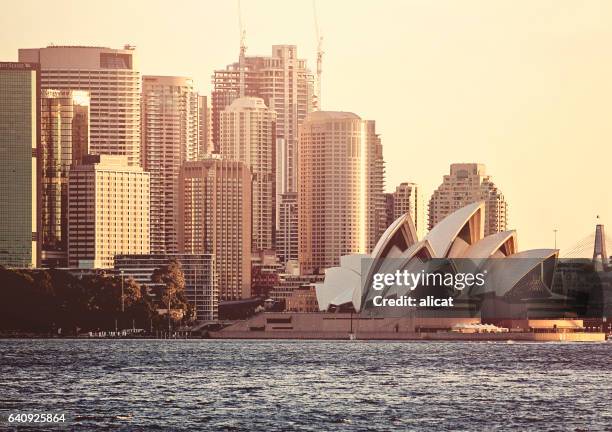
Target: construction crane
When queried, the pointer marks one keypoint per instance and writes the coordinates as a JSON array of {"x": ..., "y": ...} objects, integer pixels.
[
  {"x": 319, "y": 56},
  {"x": 242, "y": 49}
]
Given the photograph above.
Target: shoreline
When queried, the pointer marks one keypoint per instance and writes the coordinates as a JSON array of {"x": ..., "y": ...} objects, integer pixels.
[
  {"x": 590, "y": 337},
  {"x": 421, "y": 337}
]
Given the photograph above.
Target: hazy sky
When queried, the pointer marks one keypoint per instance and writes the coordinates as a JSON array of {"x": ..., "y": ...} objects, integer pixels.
[{"x": 524, "y": 87}]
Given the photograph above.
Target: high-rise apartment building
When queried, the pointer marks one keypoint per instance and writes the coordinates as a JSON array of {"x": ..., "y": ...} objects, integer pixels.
[
  {"x": 64, "y": 142},
  {"x": 468, "y": 183},
  {"x": 170, "y": 135},
  {"x": 201, "y": 287},
  {"x": 204, "y": 127},
  {"x": 19, "y": 160},
  {"x": 215, "y": 217},
  {"x": 341, "y": 205},
  {"x": 285, "y": 84},
  {"x": 247, "y": 135},
  {"x": 112, "y": 79},
  {"x": 108, "y": 211},
  {"x": 287, "y": 234},
  {"x": 407, "y": 198}
]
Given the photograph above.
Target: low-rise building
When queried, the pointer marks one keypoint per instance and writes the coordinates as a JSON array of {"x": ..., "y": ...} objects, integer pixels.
[
  {"x": 302, "y": 300},
  {"x": 201, "y": 285},
  {"x": 290, "y": 283},
  {"x": 265, "y": 272}
]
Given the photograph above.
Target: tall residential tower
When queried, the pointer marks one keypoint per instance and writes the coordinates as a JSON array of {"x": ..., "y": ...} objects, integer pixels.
[
  {"x": 407, "y": 198},
  {"x": 247, "y": 135},
  {"x": 215, "y": 217},
  {"x": 204, "y": 129},
  {"x": 341, "y": 206},
  {"x": 285, "y": 84},
  {"x": 287, "y": 233},
  {"x": 170, "y": 135},
  {"x": 466, "y": 184}
]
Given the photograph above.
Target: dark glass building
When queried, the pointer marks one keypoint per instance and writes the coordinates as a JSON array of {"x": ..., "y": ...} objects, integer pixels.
[{"x": 64, "y": 142}]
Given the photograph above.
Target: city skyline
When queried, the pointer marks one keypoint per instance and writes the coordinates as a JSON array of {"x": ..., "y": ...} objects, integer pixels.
[
  {"x": 528, "y": 96},
  {"x": 211, "y": 210}
]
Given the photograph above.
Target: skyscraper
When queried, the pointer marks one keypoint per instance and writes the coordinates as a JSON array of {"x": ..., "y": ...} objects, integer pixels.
[
  {"x": 407, "y": 198},
  {"x": 247, "y": 135},
  {"x": 285, "y": 84},
  {"x": 64, "y": 142},
  {"x": 468, "y": 183},
  {"x": 204, "y": 127},
  {"x": 170, "y": 134},
  {"x": 111, "y": 77},
  {"x": 19, "y": 151},
  {"x": 341, "y": 206},
  {"x": 215, "y": 217},
  {"x": 287, "y": 234},
  {"x": 108, "y": 211}
]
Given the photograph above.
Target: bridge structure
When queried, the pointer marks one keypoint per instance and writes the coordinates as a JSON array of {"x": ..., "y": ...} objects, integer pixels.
[{"x": 592, "y": 246}]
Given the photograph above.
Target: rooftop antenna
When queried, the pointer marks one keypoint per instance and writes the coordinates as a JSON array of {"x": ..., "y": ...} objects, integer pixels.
[
  {"x": 242, "y": 49},
  {"x": 319, "y": 56}
]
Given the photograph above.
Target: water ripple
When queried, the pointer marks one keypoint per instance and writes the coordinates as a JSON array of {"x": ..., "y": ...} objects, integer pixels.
[{"x": 208, "y": 385}]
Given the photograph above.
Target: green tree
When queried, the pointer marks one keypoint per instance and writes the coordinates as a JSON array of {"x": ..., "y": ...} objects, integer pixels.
[
  {"x": 137, "y": 303},
  {"x": 170, "y": 289},
  {"x": 115, "y": 299},
  {"x": 16, "y": 290},
  {"x": 41, "y": 301}
]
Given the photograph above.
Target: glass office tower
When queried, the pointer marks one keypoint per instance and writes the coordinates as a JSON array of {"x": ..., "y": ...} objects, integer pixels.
[
  {"x": 64, "y": 142},
  {"x": 19, "y": 143}
]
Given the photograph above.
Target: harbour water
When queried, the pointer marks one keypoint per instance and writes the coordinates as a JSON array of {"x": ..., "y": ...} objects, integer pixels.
[{"x": 306, "y": 385}]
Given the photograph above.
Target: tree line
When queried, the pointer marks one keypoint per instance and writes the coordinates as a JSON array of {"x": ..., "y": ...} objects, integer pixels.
[{"x": 54, "y": 301}]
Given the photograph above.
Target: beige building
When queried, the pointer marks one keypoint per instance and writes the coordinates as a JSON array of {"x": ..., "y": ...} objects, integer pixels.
[
  {"x": 287, "y": 233},
  {"x": 111, "y": 77},
  {"x": 108, "y": 211},
  {"x": 302, "y": 300},
  {"x": 247, "y": 135},
  {"x": 285, "y": 83},
  {"x": 170, "y": 135},
  {"x": 214, "y": 216},
  {"x": 468, "y": 183},
  {"x": 19, "y": 164},
  {"x": 64, "y": 142},
  {"x": 204, "y": 127},
  {"x": 341, "y": 207},
  {"x": 407, "y": 198}
]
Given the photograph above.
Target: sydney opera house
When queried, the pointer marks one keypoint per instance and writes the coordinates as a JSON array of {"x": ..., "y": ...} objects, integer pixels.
[
  {"x": 517, "y": 295},
  {"x": 517, "y": 283}
]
